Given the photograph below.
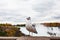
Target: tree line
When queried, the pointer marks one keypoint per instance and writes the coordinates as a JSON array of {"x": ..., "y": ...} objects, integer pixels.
[{"x": 51, "y": 24}]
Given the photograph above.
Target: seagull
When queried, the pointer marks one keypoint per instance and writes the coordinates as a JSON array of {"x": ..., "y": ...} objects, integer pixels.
[
  {"x": 29, "y": 26},
  {"x": 51, "y": 33}
]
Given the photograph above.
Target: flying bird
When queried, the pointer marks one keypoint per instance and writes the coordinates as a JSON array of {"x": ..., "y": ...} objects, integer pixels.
[{"x": 29, "y": 26}]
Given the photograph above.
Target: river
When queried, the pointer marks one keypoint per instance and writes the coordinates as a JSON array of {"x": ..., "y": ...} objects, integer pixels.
[{"x": 42, "y": 30}]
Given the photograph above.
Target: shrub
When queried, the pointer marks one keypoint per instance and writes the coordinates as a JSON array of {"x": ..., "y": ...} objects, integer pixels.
[{"x": 10, "y": 30}]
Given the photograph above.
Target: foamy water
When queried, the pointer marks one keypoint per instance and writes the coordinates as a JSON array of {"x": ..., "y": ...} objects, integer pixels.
[{"x": 42, "y": 30}]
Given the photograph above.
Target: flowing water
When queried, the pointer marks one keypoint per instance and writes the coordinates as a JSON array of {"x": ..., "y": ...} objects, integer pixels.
[{"x": 42, "y": 30}]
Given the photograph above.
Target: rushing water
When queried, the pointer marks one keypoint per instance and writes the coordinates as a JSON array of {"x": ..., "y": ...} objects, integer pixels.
[{"x": 42, "y": 30}]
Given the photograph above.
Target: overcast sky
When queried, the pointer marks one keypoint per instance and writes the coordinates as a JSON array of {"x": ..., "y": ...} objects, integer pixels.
[{"x": 39, "y": 10}]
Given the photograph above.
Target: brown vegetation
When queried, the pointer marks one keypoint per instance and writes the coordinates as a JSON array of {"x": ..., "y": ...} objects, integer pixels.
[
  {"x": 21, "y": 25},
  {"x": 9, "y": 30},
  {"x": 51, "y": 24}
]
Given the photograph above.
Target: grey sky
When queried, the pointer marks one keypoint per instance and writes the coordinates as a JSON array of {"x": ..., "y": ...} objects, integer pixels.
[{"x": 40, "y": 10}]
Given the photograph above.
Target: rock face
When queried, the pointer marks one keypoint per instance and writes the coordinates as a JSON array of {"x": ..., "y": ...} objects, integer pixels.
[
  {"x": 7, "y": 39},
  {"x": 30, "y": 38},
  {"x": 33, "y": 38},
  {"x": 38, "y": 38}
]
